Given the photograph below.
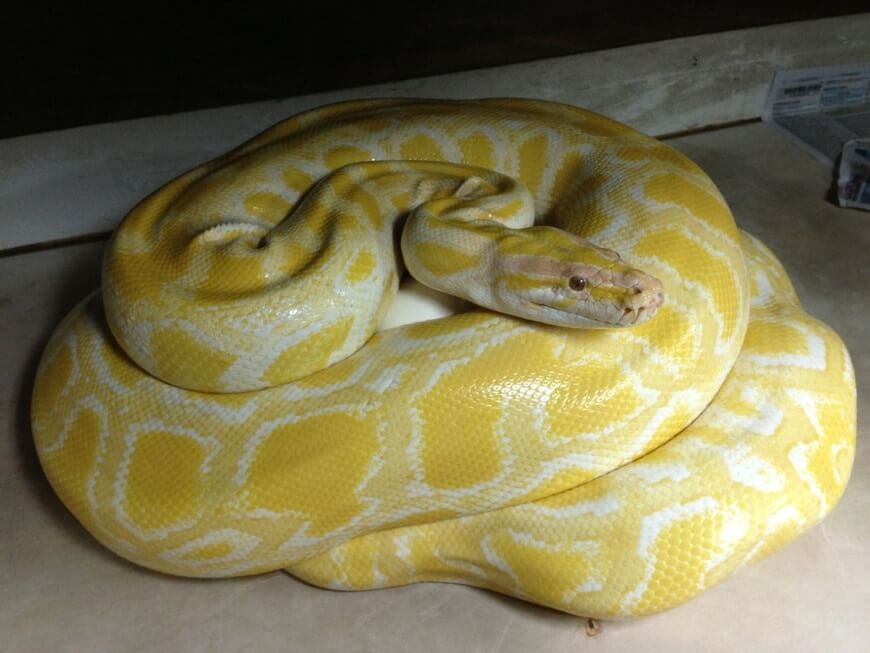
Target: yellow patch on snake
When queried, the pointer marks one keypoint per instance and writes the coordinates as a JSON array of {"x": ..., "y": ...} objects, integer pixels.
[
  {"x": 444, "y": 260},
  {"x": 58, "y": 370},
  {"x": 477, "y": 149},
  {"x": 369, "y": 206},
  {"x": 508, "y": 210},
  {"x": 671, "y": 157},
  {"x": 206, "y": 193},
  {"x": 624, "y": 396},
  {"x": 297, "y": 257},
  {"x": 354, "y": 442},
  {"x": 662, "y": 532},
  {"x": 210, "y": 551},
  {"x": 341, "y": 156},
  {"x": 298, "y": 179},
  {"x": 268, "y": 206},
  {"x": 80, "y": 447},
  {"x": 696, "y": 200},
  {"x": 332, "y": 375},
  {"x": 569, "y": 563},
  {"x": 167, "y": 345},
  {"x": 422, "y": 147},
  {"x": 445, "y": 461},
  {"x": 773, "y": 338},
  {"x": 430, "y": 329},
  {"x": 223, "y": 275},
  {"x": 533, "y": 160},
  {"x": 401, "y": 201},
  {"x": 362, "y": 267},
  {"x": 726, "y": 300},
  {"x": 118, "y": 372},
  {"x": 316, "y": 349},
  {"x": 566, "y": 173},
  {"x": 471, "y": 449},
  {"x": 182, "y": 472}
]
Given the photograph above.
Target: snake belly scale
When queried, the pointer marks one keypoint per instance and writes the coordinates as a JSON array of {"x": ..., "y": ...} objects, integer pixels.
[{"x": 227, "y": 405}]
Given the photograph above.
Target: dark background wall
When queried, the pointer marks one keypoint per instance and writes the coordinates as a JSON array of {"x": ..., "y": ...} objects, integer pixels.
[{"x": 62, "y": 67}]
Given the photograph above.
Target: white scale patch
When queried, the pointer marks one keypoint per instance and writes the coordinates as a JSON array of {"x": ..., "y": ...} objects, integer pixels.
[
  {"x": 606, "y": 505},
  {"x": 493, "y": 558},
  {"x": 653, "y": 473},
  {"x": 747, "y": 468},
  {"x": 764, "y": 422},
  {"x": 402, "y": 544},
  {"x": 90, "y": 403},
  {"x": 785, "y": 515},
  {"x": 464, "y": 565},
  {"x": 735, "y": 526},
  {"x": 242, "y": 545},
  {"x": 799, "y": 457}
]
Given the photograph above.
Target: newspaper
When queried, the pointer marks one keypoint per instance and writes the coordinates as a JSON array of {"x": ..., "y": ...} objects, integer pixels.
[
  {"x": 853, "y": 183},
  {"x": 824, "y": 109}
]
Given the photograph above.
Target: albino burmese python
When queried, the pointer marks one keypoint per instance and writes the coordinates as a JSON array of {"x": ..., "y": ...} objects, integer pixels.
[{"x": 228, "y": 406}]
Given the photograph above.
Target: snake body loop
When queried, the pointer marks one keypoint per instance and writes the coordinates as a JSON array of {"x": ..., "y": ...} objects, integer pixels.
[{"x": 229, "y": 404}]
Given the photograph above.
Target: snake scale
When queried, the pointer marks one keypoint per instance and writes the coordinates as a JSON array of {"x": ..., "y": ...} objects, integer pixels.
[{"x": 632, "y": 405}]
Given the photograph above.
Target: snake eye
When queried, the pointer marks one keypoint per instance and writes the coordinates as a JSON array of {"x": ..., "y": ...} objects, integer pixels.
[{"x": 577, "y": 283}]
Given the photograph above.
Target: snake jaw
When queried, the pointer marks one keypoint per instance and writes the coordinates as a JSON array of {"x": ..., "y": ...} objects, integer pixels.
[
  {"x": 581, "y": 295},
  {"x": 645, "y": 296},
  {"x": 556, "y": 277}
]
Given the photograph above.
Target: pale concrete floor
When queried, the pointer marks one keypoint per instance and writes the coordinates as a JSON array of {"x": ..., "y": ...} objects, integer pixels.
[{"x": 60, "y": 591}]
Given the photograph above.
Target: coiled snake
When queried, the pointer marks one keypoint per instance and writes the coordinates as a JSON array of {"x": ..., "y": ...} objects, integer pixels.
[{"x": 228, "y": 406}]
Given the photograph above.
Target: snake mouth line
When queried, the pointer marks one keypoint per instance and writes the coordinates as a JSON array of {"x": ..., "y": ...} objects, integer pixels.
[
  {"x": 614, "y": 316},
  {"x": 586, "y": 322}
]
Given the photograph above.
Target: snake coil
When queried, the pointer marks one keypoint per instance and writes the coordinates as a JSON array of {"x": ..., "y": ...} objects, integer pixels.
[{"x": 228, "y": 406}]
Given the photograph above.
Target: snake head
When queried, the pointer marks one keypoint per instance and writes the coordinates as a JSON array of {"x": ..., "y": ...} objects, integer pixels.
[{"x": 564, "y": 280}]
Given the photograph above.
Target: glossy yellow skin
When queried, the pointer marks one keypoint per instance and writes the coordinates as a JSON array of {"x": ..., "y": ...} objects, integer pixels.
[{"x": 594, "y": 471}]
